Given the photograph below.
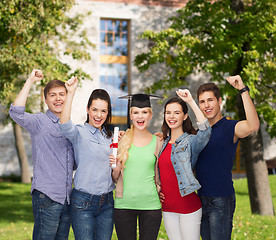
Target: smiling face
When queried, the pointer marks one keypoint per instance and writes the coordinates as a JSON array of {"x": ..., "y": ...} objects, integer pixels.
[
  {"x": 174, "y": 116},
  {"x": 210, "y": 106},
  {"x": 97, "y": 112},
  {"x": 55, "y": 99},
  {"x": 140, "y": 117}
]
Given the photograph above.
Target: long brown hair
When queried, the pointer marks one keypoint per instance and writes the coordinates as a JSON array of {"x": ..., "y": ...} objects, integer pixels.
[{"x": 186, "y": 125}]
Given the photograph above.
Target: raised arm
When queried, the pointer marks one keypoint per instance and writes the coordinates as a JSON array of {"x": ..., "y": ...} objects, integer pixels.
[
  {"x": 251, "y": 124},
  {"x": 71, "y": 86},
  {"x": 186, "y": 96},
  {"x": 21, "y": 98}
]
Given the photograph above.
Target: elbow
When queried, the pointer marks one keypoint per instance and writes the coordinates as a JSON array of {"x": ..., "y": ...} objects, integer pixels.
[{"x": 255, "y": 127}]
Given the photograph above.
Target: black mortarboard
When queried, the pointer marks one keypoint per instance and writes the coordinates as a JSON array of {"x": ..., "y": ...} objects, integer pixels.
[{"x": 139, "y": 100}]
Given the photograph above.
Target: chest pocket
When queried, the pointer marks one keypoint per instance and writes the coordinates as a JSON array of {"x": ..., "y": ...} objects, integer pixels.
[
  {"x": 58, "y": 139},
  {"x": 182, "y": 152}
]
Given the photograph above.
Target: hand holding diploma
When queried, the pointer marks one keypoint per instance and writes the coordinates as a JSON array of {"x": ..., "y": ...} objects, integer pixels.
[{"x": 115, "y": 145}]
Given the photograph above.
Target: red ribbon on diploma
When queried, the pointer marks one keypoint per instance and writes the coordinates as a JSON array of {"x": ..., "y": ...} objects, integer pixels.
[{"x": 114, "y": 145}]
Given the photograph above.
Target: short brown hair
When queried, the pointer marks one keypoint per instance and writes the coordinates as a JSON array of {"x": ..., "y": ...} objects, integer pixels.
[
  {"x": 208, "y": 87},
  {"x": 52, "y": 84}
]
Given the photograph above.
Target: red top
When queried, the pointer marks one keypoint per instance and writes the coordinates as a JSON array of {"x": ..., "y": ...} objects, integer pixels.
[{"x": 169, "y": 187}]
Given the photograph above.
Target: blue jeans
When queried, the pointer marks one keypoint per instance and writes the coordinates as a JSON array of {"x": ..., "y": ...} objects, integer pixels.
[
  {"x": 92, "y": 215},
  {"x": 51, "y": 219},
  {"x": 217, "y": 217}
]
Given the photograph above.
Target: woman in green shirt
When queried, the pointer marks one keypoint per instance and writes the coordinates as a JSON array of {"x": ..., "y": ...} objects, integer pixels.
[{"x": 137, "y": 180}]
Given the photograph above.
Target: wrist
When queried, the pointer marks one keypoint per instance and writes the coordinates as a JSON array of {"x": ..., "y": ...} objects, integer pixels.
[
  {"x": 30, "y": 80},
  {"x": 244, "y": 89},
  {"x": 190, "y": 102}
]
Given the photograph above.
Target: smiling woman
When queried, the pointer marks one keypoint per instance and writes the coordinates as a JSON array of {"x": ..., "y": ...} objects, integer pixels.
[
  {"x": 92, "y": 197},
  {"x": 137, "y": 181}
]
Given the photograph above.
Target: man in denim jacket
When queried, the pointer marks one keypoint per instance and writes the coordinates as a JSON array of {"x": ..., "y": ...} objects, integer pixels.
[{"x": 214, "y": 164}]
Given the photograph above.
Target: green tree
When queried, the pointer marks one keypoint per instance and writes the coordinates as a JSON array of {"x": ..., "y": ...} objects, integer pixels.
[
  {"x": 225, "y": 37},
  {"x": 36, "y": 34}
]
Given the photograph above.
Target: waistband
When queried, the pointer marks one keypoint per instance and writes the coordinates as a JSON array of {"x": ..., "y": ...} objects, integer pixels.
[{"x": 90, "y": 197}]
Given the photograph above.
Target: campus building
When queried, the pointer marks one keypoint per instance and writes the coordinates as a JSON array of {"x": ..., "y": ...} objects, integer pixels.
[{"x": 114, "y": 28}]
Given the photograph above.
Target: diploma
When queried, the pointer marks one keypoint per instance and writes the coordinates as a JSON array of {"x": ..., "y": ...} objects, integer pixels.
[{"x": 115, "y": 144}]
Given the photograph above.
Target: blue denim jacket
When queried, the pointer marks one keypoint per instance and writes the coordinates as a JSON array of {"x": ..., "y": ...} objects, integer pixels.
[{"x": 184, "y": 155}]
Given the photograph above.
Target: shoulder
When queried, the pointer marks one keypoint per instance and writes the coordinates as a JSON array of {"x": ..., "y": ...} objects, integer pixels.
[
  {"x": 224, "y": 125},
  {"x": 230, "y": 121}
]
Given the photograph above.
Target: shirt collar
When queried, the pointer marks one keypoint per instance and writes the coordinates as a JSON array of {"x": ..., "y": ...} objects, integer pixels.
[
  {"x": 219, "y": 122},
  {"x": 52, "y": 116},
  {"x": 184, "y": 135},
  {"x": 93, "y": 130}
]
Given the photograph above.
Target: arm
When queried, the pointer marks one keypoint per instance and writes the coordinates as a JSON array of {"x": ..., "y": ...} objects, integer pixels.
[
  {"x": 71, "y": 86},
  {"x": 251, "y": 124},
  {"x": 186, "y": 96},
  {"x": 21, "y": 98}
]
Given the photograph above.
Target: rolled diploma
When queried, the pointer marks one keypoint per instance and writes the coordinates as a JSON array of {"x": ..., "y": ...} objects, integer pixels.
[{"x": 115, "y": 140}]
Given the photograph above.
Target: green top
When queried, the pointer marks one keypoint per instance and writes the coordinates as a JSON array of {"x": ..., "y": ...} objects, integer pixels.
[{"x": 140, "y": 191}]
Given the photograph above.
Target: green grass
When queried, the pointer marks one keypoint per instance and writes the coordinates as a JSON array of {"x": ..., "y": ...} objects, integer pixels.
[{"x": 16, "y": 219}]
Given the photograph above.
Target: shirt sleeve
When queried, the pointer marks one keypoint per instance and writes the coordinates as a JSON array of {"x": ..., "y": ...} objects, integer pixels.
[
  {"x": 26, "y": 120},
  {"x": 69, "y": 130},
  {"x": 200, "y": 140}
]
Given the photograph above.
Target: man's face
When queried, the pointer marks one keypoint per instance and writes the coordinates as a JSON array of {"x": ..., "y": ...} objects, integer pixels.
[
  {"x": 210, "y": 105},
  {"x": 55, "y": 100}
]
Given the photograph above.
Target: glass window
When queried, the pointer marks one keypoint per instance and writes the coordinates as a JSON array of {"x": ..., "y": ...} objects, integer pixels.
[{"x": 114, "y": 65}]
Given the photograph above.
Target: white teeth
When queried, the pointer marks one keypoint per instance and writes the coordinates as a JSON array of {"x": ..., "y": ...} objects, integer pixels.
[{"x": 172, "y": 121}]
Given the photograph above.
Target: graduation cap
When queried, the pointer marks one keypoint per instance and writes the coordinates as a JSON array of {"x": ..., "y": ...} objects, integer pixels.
[{"x": 139, "y": 100}]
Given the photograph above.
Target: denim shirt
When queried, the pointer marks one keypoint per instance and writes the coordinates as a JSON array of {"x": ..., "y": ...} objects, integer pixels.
[
  {"x": 92, "y": 150},
  {"x": 184, "y": 155}
]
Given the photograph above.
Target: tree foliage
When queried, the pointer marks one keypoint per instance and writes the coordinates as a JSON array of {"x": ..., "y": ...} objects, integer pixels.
[
  {"x": 220, "y": 38},
  {"x": 35, "y": 34}
]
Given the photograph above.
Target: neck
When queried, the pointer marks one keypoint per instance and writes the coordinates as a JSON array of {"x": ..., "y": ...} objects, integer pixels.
[
  {"x": 214, "y": 120},
  {"x": 175, "y": 134},
  {"x": 57, "y": 114},
  {"x": 138, "y": 132}
]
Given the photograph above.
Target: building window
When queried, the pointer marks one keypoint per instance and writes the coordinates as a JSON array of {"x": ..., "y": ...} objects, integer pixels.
[{"x": 114, "y": 65}]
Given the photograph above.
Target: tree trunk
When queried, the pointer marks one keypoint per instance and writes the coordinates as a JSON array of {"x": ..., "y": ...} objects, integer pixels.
[
  {"x": 256, "y": 170},
  {"x": 22, "y": 156},
  {"x": 252, "y": 149}
]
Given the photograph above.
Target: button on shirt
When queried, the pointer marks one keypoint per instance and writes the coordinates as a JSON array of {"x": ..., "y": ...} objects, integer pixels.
[
  {"x": 52, "y": 153},
  {"x": 92, "y": 150}
]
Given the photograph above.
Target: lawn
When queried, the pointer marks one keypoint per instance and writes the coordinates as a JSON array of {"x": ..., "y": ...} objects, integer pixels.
[{"x": 16, "y": 220}]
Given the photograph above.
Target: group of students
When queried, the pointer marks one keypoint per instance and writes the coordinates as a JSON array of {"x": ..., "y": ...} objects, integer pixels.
[{"x": 154, "y": 174}]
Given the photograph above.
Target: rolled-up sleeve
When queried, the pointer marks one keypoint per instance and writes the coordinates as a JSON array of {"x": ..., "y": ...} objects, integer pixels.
[
  {"x": 200, "y": 140},
  {"x": 24, "y": 119},
  {"x": 204, "y": 125},
  {"x": 69, "y": 130}
]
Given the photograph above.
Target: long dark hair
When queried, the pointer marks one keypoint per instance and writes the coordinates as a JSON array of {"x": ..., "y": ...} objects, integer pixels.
[
  {"x": 187, "y": 124},
  {"x": 102, "y": 95}
]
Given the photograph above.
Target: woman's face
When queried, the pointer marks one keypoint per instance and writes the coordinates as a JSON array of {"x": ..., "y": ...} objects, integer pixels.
[
  {"x": 174, "y": 115},
  {"x": 140, "y": 117},
  {"x": 97, "y": 112}
]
